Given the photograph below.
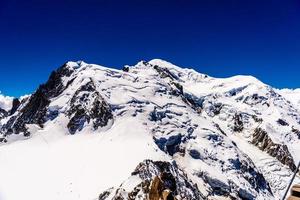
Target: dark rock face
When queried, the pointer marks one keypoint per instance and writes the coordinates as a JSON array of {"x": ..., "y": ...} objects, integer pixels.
[
  {"x": 219, "y": 129},
  {"x": 160, "y": 180},
  {"x": 195, "y": 154},
  {"x": 170, "y": 145},
  {"x": 256, "y": 99},
  {"x": 257, "y": 119},
  {"x": 279, "y": 151},
  {"x": 282, "y": 122},
  {"x": 178, "y": 86},
  {"x": 193, "y": 101},
  {"x": 213, "y": 109},
  {"x": 36, "y": 107},
  {"x": 248, "y": 171},
  {"x": 231, "y": 190},
  {"x": 177, "y": 89},
  {"x": 165, "y": 73},
  {"x": 3, "y": 113},
  {"x": 235, "y": 91},
  {"x": 157, "y": 115},
  {"x": 88, "y": 105},
  {"x": 238, "y": 123},
  {"x": 104, "y": 195},
  {"x": 296, "y": 131},
  {"x": 218, "y": 187},
  {"x": 125, "y": 69},
  {"x": 15, "y": 105}
]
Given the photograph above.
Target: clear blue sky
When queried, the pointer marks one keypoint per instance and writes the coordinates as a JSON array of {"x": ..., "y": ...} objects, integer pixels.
[{"x": 221, "y": 38}]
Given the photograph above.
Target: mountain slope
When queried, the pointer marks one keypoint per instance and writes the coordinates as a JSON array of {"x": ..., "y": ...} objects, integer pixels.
[
  {"x": 89, "y": 127},
  {"x": 291, "y": 95}
]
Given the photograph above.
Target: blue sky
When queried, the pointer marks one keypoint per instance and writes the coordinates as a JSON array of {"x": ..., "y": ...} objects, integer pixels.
[{"x": 217, "y": 37}]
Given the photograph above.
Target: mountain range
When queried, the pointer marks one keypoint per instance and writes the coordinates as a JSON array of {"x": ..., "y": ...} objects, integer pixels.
[{"x": 149, "y": 131}]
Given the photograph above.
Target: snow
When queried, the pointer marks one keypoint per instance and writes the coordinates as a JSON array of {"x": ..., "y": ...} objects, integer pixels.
[
  {"x": 293, "y": 95},
  {"x": 52, "y": 164},
  {"x": 56, "y": 166}
]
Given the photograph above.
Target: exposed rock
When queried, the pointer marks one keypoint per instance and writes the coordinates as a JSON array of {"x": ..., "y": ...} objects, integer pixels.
[
  {"x": 170, "y": 145},
  {"x": 177, "y": 89},
  {"x": 218, "y": 187},
  {"x": 247, "y": 169},
  {"x": 3, "y": 113},
  {"x": 296, "y": 131},
  {"x": 193, "y": 101},
  {"x": 195, "y": 154},
  {"x": 125, "y": 69},
  {"x": 257, "y": 119},
  {"x": 238, "y": 123},
  {"x": 219, "y": 129},
  {"x": 105, "y": 194},
  {"x": 256, "y": 99},
  {"x": 165, "y": 73},
  {"x": 88, "y": 105},
  {"x": 213, "y": 109},
  {"x": 282, "y": 122},
  {"x": 235, "y": 91},
  {"x": 15, "y": 105},
  {"x": 159, "y": 181},
  {"x": 231, "y": 190},
  {"x": 35, "y": 109},
  {"x": 279, "y": 151},
  {"x": 157, "y": 115},
  {"x": 2, "y": 139},
  {"x": 178, "y": 86}
]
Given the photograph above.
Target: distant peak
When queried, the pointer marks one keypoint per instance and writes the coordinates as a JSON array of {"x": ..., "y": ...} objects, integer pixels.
[
  {"x": 75, "y": 64},
  {"x": 161, "y": 62}
]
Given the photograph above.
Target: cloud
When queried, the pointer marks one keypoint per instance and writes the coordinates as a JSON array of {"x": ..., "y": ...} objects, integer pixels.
[{"x": 5, "y": 102}]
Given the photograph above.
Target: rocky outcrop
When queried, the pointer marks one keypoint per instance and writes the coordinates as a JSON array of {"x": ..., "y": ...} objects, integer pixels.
[
  {"x": 193, "y": 101},
  {"x": 36, "y": 107},
  {"x": 282, "y": 122},
  {"x": 125, "y": 69},
  {"x": 165, "y": 73},
  {"x": 248, "y": 170},
  {"x": 177, "y": 89},
  {"x": 213, "y": 108},
  {"x": 229, "y": 189},
  {"x": 3, "y": 113},
  {"x": 280, "y": 151},
  {"x": 156, "y": 115},
  {"x": 88, "y": 105},
  {"x": 238, "y": 123},
  {"x": 15, "y": 105},
  {"x": 170, "y": 145},
  {"x": 296, "y": 132},
  {"x": 255, "y": 99},
  {"x": 158, "y": 181}
]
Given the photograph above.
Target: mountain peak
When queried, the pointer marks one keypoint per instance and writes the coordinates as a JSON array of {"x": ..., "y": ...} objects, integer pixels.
[
  {"x": 161, "y": 63},
  {"x": 220, "y": 137},
  {"x": 75, "y": 64}
]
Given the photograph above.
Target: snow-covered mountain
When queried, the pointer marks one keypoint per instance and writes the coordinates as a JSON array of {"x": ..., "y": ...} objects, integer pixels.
[
  {"x": 291, "y": 95},
  {"x": 153, "y": 130}
]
